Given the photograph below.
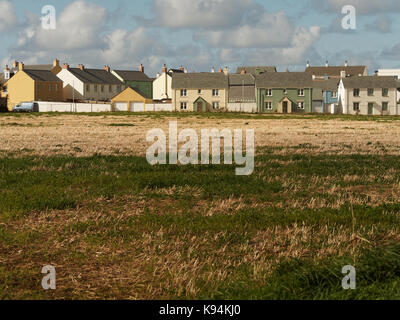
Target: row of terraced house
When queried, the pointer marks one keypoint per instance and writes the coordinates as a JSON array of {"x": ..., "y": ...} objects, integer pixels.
[{"x": 254, "y": 89}]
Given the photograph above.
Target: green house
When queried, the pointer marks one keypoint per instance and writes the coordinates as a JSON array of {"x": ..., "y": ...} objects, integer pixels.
[
  {"x": 137, "y": 80},
  {"x": 284, "y": 92}
]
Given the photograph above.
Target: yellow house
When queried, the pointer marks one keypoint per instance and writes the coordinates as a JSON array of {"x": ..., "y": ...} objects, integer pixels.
[
  {"x": 130, "y": 99},
  {"x": 33, "y": 85}
]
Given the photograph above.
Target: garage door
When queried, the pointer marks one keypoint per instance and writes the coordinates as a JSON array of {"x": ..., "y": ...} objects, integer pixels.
[
  {"x": 137, "y": 106},
  {"x": 121, "y": 106}
]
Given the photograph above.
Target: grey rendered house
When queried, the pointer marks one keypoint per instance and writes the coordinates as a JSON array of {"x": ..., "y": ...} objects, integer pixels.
[
  {"x": 242, "y": 93},
  {"x": 372, "y": 95},
  {"x": 255, "y": 70},
  {"x": 325, "y": 96},
  {"x": 284, "y": 92},
  {"x": 334, "y": 72}
]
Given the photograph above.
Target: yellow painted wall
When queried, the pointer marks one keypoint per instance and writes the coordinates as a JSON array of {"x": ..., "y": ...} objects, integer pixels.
[
  {"x": 129, "y": 95},
  {"x": 20, "y": 89},
  {"x": 193, "y": 95}
]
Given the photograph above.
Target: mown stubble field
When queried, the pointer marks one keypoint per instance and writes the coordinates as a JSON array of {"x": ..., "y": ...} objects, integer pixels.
[{"x": 76, "y": 192}]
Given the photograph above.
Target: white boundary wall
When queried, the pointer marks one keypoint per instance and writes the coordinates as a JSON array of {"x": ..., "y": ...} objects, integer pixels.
[
  {"x": 248, "y": 107},
  {"x": 72, "y": 107}
]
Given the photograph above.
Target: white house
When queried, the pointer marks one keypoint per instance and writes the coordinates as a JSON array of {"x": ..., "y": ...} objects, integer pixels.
[
  {"x": 81, "y": 84},
  {"x": 162, "y": 85},
  {"x": 393, "y": 73}
]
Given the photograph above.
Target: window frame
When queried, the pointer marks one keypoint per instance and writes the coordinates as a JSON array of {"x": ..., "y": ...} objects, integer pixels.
[
  {"x": 354, "y": 92},
  {"x": 300, "y": 92},
  {"x": 266, "y": 103},
  {"x": 183, "y": 105}
]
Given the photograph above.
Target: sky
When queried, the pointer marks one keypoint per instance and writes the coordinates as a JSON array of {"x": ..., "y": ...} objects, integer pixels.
[{"x": 201, "y": 34}]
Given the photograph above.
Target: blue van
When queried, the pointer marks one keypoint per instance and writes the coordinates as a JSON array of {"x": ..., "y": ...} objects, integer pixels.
[{"x": 26, "y": 107}]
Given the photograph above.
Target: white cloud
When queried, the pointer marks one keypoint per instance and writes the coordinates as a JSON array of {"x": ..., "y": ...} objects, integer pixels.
[
  {"x": 201, "y": 13},
  {"x": 382, "y": 24},
  {"x": 8, "y": 18},
  {"x": 272, "y": 30}
]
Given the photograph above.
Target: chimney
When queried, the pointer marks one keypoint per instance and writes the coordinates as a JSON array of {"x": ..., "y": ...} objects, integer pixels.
[
  {"x": 107, "y": 68},
  {"x": 313, "y": 76},
  {"x": 181, "y": 68},
  {"x": 158, "y": 75},
  {"x": 15, "y": 64},
  {"x": 308, "y": 64},
  {"x": 7, "y": 73},
  {"x": 343, "y": 74},
  {"x": 212, "y": 70},
  {"x": 65, "y": 66},
  {"x": 141, "y": 68},
  {"x": 56, "y": 63},
  {"x": 220, "y": 71},
  {"x": 185, "y": 71},
  {"x": 243, "y": 71},
  {"x": 81, "y": 67},
  {"x": 164, "y": 69},
  {"x": 226, "y": 71},
  {"x": 346, "y": 63},
  {"x": 7, "y": 68},
  {"x": 327, "y": 64},
  {"x": 287, "y": 69},
  {"x": 21, "y": 66},
  {"x": 376, "y": 73}
]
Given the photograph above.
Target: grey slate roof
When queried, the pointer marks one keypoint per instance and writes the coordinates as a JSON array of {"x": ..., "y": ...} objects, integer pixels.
[
  {"x": 95, "y": 76},
  {"x": 240, "y": 79},
  {"x": 334, "y": 71},
  {"x": 317, "y": 94},
  {"x": 273, "y": 80},
  {"x": 47, "y": 67},
  {"x": 203, "y": 80},
  {"x": 42, "y": 75},
  {"x": 133, "y": 75},
  {"x": 254, "y": 70},
  {"x": 327, "y": 85},
  {"x": 371, "y": 82}
]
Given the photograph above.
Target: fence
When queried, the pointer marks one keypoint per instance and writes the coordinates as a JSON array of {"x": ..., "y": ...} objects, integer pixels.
[
  {"x": 247, "y": 107},
  {"x": 72, "y": 107}
]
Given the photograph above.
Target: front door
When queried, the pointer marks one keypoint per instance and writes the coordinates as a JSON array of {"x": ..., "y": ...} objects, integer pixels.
[
  {"x": 285, "y": 107},
  {"x": 370, "y": 108},
  {"x": 199, "y": 106}
]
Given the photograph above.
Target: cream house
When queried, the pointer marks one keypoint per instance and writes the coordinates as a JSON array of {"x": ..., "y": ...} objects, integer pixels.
[
  {"x": 372, "y": 95},
  {"x": 81, "y": 84},
  {"x": 162, "y": 85},
  {"x": 200, "y": 92}
]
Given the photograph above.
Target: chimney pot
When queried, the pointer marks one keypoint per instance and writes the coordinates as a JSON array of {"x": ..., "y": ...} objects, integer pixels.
[
  {"x": 65, "y": 66},
  {"x": 107, "y": 68},
  {"x": 181, "y": 68},
  {"x": 21, "y": 66},
  {"x": 15, "y": 64},
  {"x": 81, "y": 67},
  {"x": 213, "y": 70},
  {"x": 226, "y": 71},
  {"x": 164, "y": 69},
  {"x": 327, "y": 64},
  {"x": 308, "y": 64},
  {"x": 141, "y": 68},
  {"x": 346, "y": 64},
  {"x": 243, "y": 71}
]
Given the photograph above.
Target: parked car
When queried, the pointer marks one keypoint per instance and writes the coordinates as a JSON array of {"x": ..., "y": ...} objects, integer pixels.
[{"x": 26, "y": 107}]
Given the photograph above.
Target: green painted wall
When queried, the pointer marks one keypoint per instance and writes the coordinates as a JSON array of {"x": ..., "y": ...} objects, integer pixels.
[
  {"x": 145, "y": 87},
  {"x": 278, "y": 95}
]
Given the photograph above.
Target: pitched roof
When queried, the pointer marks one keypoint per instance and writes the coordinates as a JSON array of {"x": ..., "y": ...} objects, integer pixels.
[
  {"x": 317, "y": 94},
  {"x": 327, "y": 85},
  {"x": 131, "y": 88},
  {"x": 42, "y": 75},
  {"x": 127, "y": 75},
  {"x": 95, "y": 76},
  {"x": 256, "y": 69},
  {"x": 334, "y": 71},
  {"x": 284, "y": 80},
  {"x": 371, "y": 82},
  {"x": 241, "y": 79},
  {"x": 47, "y": 67},
  {"x": 203, "y": 80}
]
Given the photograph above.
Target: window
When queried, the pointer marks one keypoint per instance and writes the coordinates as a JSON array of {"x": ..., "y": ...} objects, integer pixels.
[
  {"x": 334, "y": 94},
  {"x": 88, "y": 88},
  {"x": 215, "y": 105},
  {"x": 199, "y": 91},
  {"x": 370, "y": 92},
  {"x": 300, "y": 92},
  {"x": 356, "y": 106},
  {"x": 95, "y": 88},
  {"x": 183, "y": 93},
  {"x": 268, "y": 92},
  {"x": 385, "y": 106},
  {"x": 300, "y": 105},
  {"x": 268, "y": 105},
  {"x": 356, "y": 92},
  {"x": 215, "y": 92},
  {"x": 183, "y": 105},
  {"x": 385, "y": 92}
]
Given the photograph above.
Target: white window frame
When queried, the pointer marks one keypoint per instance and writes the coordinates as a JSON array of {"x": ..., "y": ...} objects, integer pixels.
[
  {"x": 301, "y": 105},
  {"x": 334, "y": 94},
  {"x": 268, "y": 93},
  {"x": 215, "y": 105},
  {"x": 300, "y": 92},
  {"x": 183, "y": 105},
  {"x": 215, "y": 92},
  {"x": 268, "y": 105},
  {"x": 183, "y": 93}
]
